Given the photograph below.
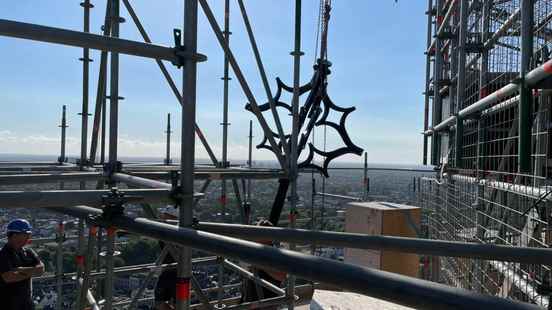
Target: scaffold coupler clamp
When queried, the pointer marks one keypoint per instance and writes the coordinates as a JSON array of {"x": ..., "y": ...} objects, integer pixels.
[
  {"x": 112, "y": 167},
  {"x": 195, "y": 222},
  {"x": 113, "y": 204},
  {"x": 85, "y": 163},
  {"x": 180, "y": 51}
]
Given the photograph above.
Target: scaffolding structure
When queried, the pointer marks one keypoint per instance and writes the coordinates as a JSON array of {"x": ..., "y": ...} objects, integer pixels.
[
  {"x": 488, "y": 87},
  {"x": 102, "y": 211}
]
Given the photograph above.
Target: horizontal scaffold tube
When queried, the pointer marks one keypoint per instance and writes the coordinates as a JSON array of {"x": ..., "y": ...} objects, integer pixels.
[
  {"x": 88, "y": 40},
  {"x": 523, "y": 190},
  {"x": 379, "y": 284},
  {"x": 138, "y": 181},
  {"x": 338, "y": 196},
  {"x": 68, "y": 198},
  {"x": 391, "y": 243},
  {"x": 49, "y": 178},
  {"x": 532, "y": 78},
  {"x": 37, "y": 169},
  {"x": 203, "y": 261}
]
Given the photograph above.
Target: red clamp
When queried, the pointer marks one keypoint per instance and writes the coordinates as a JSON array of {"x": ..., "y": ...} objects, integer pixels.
[
  {"x": 182, "y": 289},
  {"x": 79, "y": 259},
  {"x": 111, "y": 231},
  {"x": 483, "y": 93},
  {"x": 547, "y": 67},
  {"x": 293, "y": 216},
  {"x": 440, "y": 19}
]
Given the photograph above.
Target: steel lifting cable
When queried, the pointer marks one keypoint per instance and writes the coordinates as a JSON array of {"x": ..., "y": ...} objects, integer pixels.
[
  {"x": 323, "y": 19},
  {"x": 325, "y": 22},
  {"x": 322, "y": 224},
  {"x": 318, "y": 26},
  {"x": 322, "y": 30}
]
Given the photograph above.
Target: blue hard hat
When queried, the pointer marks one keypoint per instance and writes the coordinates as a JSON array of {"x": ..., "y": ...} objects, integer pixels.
[{"x": 19, "y": 226}]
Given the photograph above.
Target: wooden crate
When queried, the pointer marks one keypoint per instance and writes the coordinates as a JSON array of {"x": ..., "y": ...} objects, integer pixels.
[{"x": 383, "y": 218}]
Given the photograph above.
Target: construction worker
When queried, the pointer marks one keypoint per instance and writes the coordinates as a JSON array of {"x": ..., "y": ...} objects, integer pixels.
[
  {"x": 17, "y": 265},
  {"x": 252, "y": 291},
  {"x": 165, "y": 289}
]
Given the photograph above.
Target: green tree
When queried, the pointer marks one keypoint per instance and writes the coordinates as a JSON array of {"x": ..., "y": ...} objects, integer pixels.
[{"x": 140, "y": 251}]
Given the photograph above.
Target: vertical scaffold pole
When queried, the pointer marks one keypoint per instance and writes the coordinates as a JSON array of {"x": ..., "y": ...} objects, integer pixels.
[
  {"x": 109, "y": 265},
  {"x": 461, "y": 79},
  {"x": 250, "y": 159},
  {"x": 99, "y": 245},
  {"x": 189, "y": 76},
  {"x": 428, "y": 68},
  {"x": 526, "y": 100},
  {"x": 85, "y": 75},
  {"x": 99, "y": 110},
  {"x": 290, "y": 292},
  {"x": 59, "y": 265},
  {"x": 168, "y": 132},
  {"x": 483, "y": 91},
  {"x": 88, "y": 261},
  {"x": 437, "y": 74},
  {"x": 365, "y": 180},
  {"x": 79, "y": 258},
  {"x": 224, "y": 124},
  {"x": 114, "y": 87},
  {"x": 63, "y": 126},
  {"x": 102, "y": 146}
]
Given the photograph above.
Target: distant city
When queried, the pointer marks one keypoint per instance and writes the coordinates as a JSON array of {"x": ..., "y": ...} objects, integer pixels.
[{"x": 325, "y": 213}]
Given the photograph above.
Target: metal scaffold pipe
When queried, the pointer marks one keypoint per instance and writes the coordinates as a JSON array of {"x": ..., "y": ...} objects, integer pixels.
[
  {"x": 114, "y": 87},
  {"x": 48, "y": 178},
  {"x": 63, "y": 198},
  {"x": 533, "y": 77},
  {"x": 168, "y": 145},
  {"x": 85, "y": 84},
  {"x": 138, "y": 181},
  {"x": 293, "y": 147},
  {"x": 169, "y": 79},
  {"x": 390, "y": 243},
  {"x": 63, "y": 126},
  {"x": 99, "y": 110},
  {"x": 245, "y": 86},
  {"x": 379, "y": 284},
  {"x": 187, "y": 153},
  {"x": 427, "y": 81},
  {"x": 47, "y": 34}
]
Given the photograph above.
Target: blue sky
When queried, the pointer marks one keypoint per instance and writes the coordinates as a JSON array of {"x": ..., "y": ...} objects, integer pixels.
[{"x": 376, "y": 48}]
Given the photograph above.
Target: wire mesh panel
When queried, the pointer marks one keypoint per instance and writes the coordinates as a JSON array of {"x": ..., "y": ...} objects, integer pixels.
[{"x": 506, "y": 209}]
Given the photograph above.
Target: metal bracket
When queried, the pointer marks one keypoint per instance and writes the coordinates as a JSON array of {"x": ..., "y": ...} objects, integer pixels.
[
  {"x": 78, "y": 162},
  {"x": 87, "y": 5},
  {"x": 180, "y": 51},
  {"x": 110, "y": 168},
  {"x": 177, "y": 34},
  {"x": 195, "y": 223},
  {"x": 113, "y": 203}
]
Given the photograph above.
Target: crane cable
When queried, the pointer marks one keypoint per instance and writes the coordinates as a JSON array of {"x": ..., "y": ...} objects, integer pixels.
[
  {"x": 327, "y": 7},
  {"x": 322, "y": 30}
]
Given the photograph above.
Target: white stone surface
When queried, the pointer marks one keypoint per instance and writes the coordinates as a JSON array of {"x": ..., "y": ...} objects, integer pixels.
[{"x": 330, "y": 300}]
